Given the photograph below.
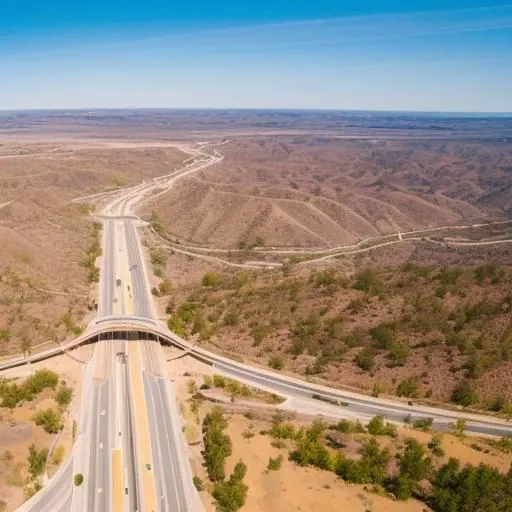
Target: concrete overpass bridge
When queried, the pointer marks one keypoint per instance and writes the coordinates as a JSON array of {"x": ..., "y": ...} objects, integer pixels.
[{"x": 108, "y": 328}]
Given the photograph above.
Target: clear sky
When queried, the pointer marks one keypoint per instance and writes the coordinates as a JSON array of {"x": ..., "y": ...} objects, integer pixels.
[{"x": 449, "y": 55}]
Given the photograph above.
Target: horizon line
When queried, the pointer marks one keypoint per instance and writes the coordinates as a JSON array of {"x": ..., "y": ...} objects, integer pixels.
[{"x": 268, "y": 109}]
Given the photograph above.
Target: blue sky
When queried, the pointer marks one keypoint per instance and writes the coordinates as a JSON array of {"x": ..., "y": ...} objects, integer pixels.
[{"x": 326, "y": 54}]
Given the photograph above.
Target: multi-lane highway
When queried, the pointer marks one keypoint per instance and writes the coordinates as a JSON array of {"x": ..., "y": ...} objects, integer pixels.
[{"x": 130, "y": 448}]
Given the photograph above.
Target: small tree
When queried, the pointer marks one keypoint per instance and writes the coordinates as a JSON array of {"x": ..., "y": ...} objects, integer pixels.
[
  {"x": 464, "y": 394},
  {"x": 64, "y": 396},
  {"x": 365, "y": 359},
  {"x": 414, "y": 463},
  {"x": 377, "y": 427},
  {"x": 383, "y": 336},
  {"x": 374, "y": 461},
  {"x": 408, "y": 388},
  {"x": 42, "y": 379},
  {"x": 78, "y": 479},
  {"x": 435, "y": 445},
  {"x": 217, "y": 445},
  {"x": 231, "y": 495},
  {"x": 49, "y": 419},
  {"x": 36, "y": 460},
  {"x": 398, "y": 354}
]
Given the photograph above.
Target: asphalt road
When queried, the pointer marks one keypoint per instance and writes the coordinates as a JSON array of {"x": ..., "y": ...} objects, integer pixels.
[
  {"x": 141, "y": 295},
  {"x": 352, "y": 404},
  {"x": 97, "y": 478},
  {"x": 107, "y": 275},
  {"x": 172, "y": 487},
  {"x": 58, "y": 493}
]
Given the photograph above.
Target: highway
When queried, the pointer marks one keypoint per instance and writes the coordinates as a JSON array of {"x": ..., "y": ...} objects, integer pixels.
[{"x": 130, "y": 448}]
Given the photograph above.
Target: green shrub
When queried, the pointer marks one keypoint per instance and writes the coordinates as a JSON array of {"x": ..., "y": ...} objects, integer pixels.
[
  {"x": 198, "y": 483},
  {"x": 498, "y": 404},
  {"x": 365, "y": 359},
  {"x": 369, "y": 281},
  {"x": 464, "y": 394},
  {"x": 503, "y": 445},
  {"x": 424, "y": 424},
  {"x": 49, "y": 419},
  {"x": 325, "y": 277},
  {"x": 217, "y": 445},
  {"x": 377, "y": 427},
  {"x": 12, "y": 395},
  {"x": 471, "y": 489},
  {"x": 276, "y": 363},
  {"x": 78, "y": 479},
  {"x": 258, "y": 333},
  {"x": 158, "y": 257},
  {"x": 212, "y": 280},
  {"x": 219, "y": 381},
  {"x": 484, "y": 272},
  {"x": 310, "y": 452},
  {"x": 274, "y": 464},
  {"x": 64, "y": 396},
  {"x": 459, "y": 426},
  {"x": 354, "y": 338},
  {"x": 371, "y": 468},
  {"x": 449, "y": 276},
  {"x": 408, "y": 388},
  {"x": 280, "y": 430},
  {"x": 413, "y": 463},
  {"x": 165, "y": 287},
  {"x": 435, "y": 445},
  {"x": 36, "y": 460},
  {"x": 398, "y": 354},
  {"x": 383, "y": 336},
  {"x": 350, "y": 427},
  {"x": 231, "y": 318},
  {"x": 175, "y": 324},
  {"x": 231, "y": 495},
  {"x": 42, "y": 379},
  {"x": 304, "y": 332},
  {"x": 187, "y": 311}
]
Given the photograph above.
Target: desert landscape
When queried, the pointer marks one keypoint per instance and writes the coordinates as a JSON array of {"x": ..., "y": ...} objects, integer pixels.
[
  {"x": 367, "y": 252},
  {"x": 320, "y": 192},
  {"x": 47, "y": 292}
]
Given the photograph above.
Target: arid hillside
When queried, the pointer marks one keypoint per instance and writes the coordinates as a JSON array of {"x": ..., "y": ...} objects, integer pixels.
[
  {"x": 45, "y": 274},
  {"x": 313, "y": 191},
  {"x": 405, "y": 321}
]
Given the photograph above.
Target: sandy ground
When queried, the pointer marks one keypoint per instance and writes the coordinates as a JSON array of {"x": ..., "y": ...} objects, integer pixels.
[
  {"x": 460, "y": 448},
  {"x": 17, "y": 432},
  {"x": 294, "y": 488}
]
